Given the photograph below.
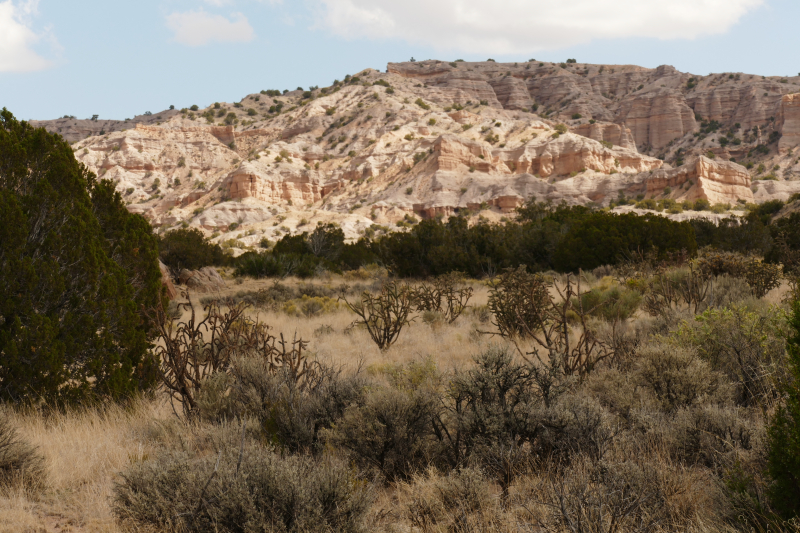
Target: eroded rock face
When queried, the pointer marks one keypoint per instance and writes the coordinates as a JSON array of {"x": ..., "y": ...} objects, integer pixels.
[
  {"x": 275, "y": 185},
  {"x": 205, "y": 280},
  {"x": 749, "y": 105},
  {"x": 436, "y": 138},
  {"x": 789, "y": 122},
  {"x": 74, "y": 129},
  {"x": 569, "y": 154},
  {"x": 148, "y": 159},
  {"x": 611, "y": 133},
  {"x": 166, "y": 281},
  {"x": 656, "y": 119},
  {"x": 716, "y": 181}
]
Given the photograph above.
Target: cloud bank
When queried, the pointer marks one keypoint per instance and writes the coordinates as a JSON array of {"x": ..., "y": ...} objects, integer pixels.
[
  {"x": 17, "y": 38},
  {"x": 515, "y": 26},
  {"x": 197, "y": 28}
]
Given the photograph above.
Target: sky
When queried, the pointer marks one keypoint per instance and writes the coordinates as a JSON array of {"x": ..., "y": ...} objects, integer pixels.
[{"x": 120, "y": 58}]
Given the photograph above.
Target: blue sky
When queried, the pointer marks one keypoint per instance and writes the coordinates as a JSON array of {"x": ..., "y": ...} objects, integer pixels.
[{"x": 121, "y": 58}]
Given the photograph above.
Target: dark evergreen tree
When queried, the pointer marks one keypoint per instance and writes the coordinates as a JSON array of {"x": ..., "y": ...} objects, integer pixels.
[
  {"x": 606, "y": 238},
  {"x": 75, "y": 271},
  {"x": 187, "y": 248},
  {"x": 784, "y": 433}
]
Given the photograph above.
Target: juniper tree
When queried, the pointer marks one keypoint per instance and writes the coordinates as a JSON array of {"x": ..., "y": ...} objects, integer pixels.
[{"x": 76, "y": 269}]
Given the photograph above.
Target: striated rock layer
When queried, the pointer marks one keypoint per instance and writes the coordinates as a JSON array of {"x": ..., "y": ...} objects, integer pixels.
[
  {"x": 719, "y": 182},
  {"x": 789, "y": 122},
  {"x": 434, "y": 138}
]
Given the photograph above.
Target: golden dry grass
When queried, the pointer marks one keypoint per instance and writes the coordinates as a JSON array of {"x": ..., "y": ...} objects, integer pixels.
[{"x": 86, "y": 449}]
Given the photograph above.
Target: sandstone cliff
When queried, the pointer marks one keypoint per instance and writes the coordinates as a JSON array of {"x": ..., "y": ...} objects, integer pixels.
[{"x": 436, "y": 138}]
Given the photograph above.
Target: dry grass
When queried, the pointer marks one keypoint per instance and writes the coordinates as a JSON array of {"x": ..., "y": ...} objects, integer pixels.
[{"x": 84, "y": 451}]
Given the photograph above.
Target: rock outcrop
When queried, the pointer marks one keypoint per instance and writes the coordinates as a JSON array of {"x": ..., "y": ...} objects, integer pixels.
[
  {"x": 568, "y": 154},
  {"x": 436, "y": 138},
  {"x": 615, "y": 134},
  {"x": 789, "y": 122},
  {"x": 656, "y": 119},
  {"x": 719, "y": 182},
  {"x": 275, "y": 184},
  {"x": 205, "y": 280},
  {"x": 166, "y": 281}
]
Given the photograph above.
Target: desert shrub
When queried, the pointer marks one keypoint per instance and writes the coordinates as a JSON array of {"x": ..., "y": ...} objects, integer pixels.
[
  {"x": 188, "y": 249},
  {"x": 760, "y": 276},
  {"x": 391, "y": 432},
  {"x": 747, "y": 345},
  {"x": 385, "y": 314},
  {"x": 612, "y": 302},
  {"x": 666, "y": 288},
  {"x": 557, "y": 322},
  {"x": 255, "y": 491},
  {"x": 727, "y": 291},
  {"x": 677, "y": 376},
  {"x": 289, "y": 415},
  {"x": 619, "y": 495},
  {"x": 784, "y": 432},
  {"x": 187, "y": 356},
  {"x": 712, "y": 435},
  {"x": 717, "y": 263},
  {"x": 20, "y": 462},
  {"x": 517, "y": 300},
  {"x": 76, "y": 269},
  {"x": 443, "y": 296},
  {"x": 459, "y": 502},
  {"x": 497, "y": 414},
  {"x": 309, "y": 306},
  {"x": 433, "y": 318},
  {"x": 578, "y": 426}
]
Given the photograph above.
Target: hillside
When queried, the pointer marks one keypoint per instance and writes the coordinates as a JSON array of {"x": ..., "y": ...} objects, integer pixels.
[{"x": 436, "y": 138}]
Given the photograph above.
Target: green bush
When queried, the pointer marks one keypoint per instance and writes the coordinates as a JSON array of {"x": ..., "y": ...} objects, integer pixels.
[
  {"x": 784, "y": 432},
  {"x": 677, "y": 376},
  {"x": 259, "y": 491},
  {"x": 747, "y": 345},
  {"x": 390, "y": 432},
  {"x": 612, "y": 302},
  {"x": 606, "y": 238},
  {"x": 76, "y": 269},
  {"x": 189, "y": 249}
]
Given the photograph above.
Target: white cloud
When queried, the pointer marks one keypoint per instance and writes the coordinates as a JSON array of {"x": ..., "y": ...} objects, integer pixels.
[
  {"x": 196, "y": 28},
  {"x": 17, "y": 38},
  {"x": 515, "y": 26}
]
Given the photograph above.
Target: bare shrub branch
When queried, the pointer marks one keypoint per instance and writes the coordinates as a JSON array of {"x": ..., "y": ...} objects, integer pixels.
[
  {"x": 384, "y": 314},
  {"x": 193, "y": 350}
]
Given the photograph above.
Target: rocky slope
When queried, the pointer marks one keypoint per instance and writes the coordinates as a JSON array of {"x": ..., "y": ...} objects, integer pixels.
[{"x": 435, "y": 138}]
